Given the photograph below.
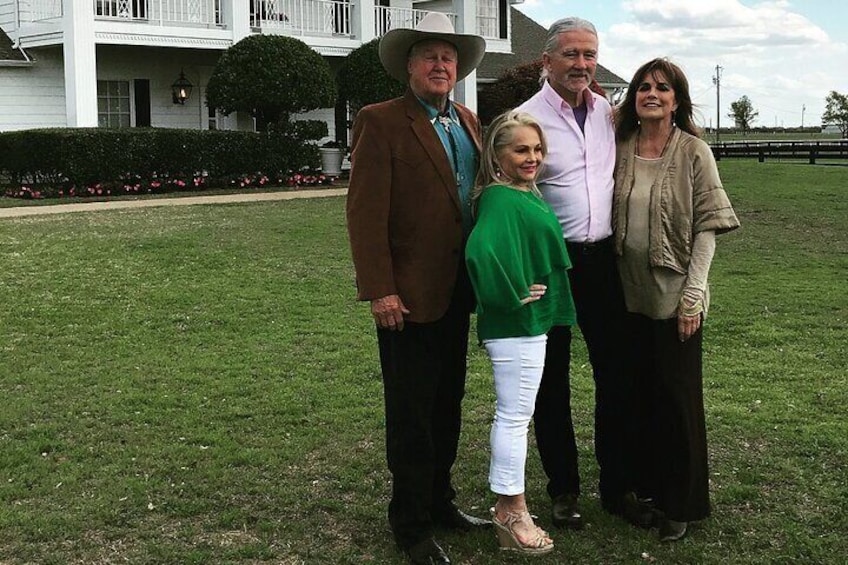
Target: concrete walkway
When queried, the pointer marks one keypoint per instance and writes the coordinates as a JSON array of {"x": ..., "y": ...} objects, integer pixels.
[{"x": 22, "y": 211}]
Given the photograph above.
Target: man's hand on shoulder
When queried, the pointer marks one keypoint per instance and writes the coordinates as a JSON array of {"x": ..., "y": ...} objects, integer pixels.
[{"x": 388, "y": 312}]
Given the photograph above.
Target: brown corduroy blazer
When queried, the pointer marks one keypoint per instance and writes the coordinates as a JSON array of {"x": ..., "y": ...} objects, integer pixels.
[{"x": 403, "y": 210}]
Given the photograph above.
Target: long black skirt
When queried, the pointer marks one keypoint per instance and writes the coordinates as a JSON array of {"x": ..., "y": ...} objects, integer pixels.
[{"x": 670, "y": 426}]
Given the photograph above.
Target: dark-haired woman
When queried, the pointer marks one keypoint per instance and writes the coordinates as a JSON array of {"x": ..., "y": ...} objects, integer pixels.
[{"x": 669, "y": 205}]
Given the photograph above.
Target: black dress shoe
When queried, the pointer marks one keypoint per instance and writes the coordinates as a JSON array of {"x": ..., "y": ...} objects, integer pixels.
[
  {"x": 639, "y": 511},
  {"x": 564, "y": 512},
  {"x": 452, "y": 518},
  {"x": 427, "y": 552}
]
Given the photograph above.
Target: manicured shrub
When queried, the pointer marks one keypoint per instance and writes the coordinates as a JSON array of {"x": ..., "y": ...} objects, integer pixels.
[
  {"x": 82, "y": 161},
  {"x": 271, "y": 77}
]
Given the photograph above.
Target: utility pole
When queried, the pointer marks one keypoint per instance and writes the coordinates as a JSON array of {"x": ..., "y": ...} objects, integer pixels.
[
  {"x": 717, "y": 83},
  {"x": 803, "y": 109}
]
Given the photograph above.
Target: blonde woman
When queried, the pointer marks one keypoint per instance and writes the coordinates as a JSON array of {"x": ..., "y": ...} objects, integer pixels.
[{"x": 518, "y": 266}]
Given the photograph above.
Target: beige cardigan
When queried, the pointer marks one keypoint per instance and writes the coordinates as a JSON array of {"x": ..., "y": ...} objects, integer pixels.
[{"x": 686, "y": 198}]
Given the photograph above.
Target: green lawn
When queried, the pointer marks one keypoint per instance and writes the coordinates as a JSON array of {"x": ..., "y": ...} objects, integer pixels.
[{"x": 197, "y": 385}]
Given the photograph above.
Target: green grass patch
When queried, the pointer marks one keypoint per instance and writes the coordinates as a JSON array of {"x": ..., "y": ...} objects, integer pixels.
[{"x": 198, "y": 385}]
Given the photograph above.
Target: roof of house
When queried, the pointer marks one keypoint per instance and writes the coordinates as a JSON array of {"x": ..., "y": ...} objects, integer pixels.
[
  {"x": 7, "y": 51},
  {"x": 528, "y": 39}
]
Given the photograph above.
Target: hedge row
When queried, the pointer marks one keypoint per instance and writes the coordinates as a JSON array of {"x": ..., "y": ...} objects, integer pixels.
[{"x": 54, "y": 162}]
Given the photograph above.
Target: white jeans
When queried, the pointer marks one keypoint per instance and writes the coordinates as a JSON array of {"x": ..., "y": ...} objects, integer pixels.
[{"x": 517, "y": 364}]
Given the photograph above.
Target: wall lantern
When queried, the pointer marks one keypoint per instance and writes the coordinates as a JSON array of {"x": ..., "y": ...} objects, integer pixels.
[{"x": 181, "y": 89}]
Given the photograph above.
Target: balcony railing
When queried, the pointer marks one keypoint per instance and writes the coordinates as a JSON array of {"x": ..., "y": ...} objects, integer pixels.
[
  {"x": 319, "y": 18},
  {"x": 201, "y": 13},
  {"x": 302, "y": 17},
  {"x": 387, "y": 19}
]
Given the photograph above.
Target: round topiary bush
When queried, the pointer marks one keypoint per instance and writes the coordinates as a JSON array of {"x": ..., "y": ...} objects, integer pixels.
[{"x": 271, "y": 77}]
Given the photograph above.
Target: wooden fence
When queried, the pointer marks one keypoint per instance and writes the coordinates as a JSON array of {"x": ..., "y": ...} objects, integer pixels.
[{"x": 762, "y": 150}]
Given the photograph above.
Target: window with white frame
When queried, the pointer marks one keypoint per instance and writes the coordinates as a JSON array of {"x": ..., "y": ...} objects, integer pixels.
[
  {"x": 113, "y": 104},
  {"x": 487, "y": 18}
]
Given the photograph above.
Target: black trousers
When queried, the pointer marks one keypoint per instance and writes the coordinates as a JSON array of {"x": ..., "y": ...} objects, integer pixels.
[
  {"x": 601, "y": 315},
  {"x": 672, "y": 436},
  {"x": 424, "y": 381}
]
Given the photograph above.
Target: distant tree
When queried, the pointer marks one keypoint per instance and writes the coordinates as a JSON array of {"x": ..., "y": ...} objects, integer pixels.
[
  {"x": 743, "y": 113},
  {"x": 271, "y": 77},
  {"x": 836, "y": 111},
  {"x": 362, "y": 80}
]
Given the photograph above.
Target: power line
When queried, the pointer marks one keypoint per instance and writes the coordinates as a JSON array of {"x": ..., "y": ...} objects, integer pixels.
[{"x": 717, "y": 83}]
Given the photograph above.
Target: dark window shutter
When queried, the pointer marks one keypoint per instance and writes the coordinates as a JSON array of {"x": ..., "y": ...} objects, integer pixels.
[{"x": 142, "y": 102}]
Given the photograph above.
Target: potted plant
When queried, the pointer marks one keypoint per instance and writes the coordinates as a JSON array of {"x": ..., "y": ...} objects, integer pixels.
[{"x": 332, "y": 155}]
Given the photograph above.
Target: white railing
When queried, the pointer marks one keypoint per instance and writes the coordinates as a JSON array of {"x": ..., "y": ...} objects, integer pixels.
[
  {"x": 302, "y": 17},
  {"x": 203, "y": 13},
  {"x": 386, "y": 19},
  {"x": 39, "y": 10},
  {"x": 289, "y": 17}
]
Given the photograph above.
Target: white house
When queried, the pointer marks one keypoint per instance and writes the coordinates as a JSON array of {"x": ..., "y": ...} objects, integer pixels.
[{"x": 115, "y": 63}]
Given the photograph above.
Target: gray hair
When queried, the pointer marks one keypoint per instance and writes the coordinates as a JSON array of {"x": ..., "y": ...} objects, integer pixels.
[
  {"x": 566, "y": 24},
  {"x": 563, "y": 25}
]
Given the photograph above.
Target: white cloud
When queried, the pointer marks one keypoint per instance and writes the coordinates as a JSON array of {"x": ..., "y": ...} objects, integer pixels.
[
  {"x": 768, "y": 52},
  {"x": 726, "y": 22},
  {"x": 716, "y": 14}
]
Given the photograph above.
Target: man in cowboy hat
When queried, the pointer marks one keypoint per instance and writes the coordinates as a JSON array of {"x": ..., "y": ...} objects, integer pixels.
[{"x": 413, "y": 165}]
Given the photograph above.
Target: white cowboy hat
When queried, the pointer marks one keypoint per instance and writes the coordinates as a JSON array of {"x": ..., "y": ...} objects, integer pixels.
[{"x": 395, "y": 45}]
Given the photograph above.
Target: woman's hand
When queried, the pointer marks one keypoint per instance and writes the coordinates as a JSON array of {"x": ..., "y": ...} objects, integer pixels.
[
  {"x": 537, "y": 291},
  {"x": 687, "y": 325}
]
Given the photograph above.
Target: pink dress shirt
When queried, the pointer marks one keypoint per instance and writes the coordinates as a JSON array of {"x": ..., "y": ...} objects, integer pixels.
[{"x": 577, "y": 179}]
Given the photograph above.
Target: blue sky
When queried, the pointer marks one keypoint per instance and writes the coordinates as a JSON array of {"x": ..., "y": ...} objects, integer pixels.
[{"x": 785, "y": 55}]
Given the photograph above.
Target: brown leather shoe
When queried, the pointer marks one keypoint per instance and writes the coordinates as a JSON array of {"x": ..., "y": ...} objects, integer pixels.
[
  {"x": 564, "y": 512},
  {"x": 427, "y": 552}
]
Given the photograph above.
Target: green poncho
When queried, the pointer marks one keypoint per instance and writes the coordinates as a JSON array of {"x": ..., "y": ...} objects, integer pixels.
[{"x": 517, "y": 241}]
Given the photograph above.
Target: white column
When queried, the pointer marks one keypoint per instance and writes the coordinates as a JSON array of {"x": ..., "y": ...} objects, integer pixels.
[
  {"x": 238, "y": 18},
  {"x": 466, "y": 91},
  {"x": 466, "y": 22},
  {"x": 80, "y": 64},
  {"x": 363, "y": 20}
]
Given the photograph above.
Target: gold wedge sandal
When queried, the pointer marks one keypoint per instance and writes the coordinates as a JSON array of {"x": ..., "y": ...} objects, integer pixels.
[{"x": 539, "y": 544}]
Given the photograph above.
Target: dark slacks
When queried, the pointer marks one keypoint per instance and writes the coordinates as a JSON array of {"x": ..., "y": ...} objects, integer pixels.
[
  {"x": 424, "y": 381},
  {"x": 601, "y": 316},
  {"x": 673, "y": 467}
]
